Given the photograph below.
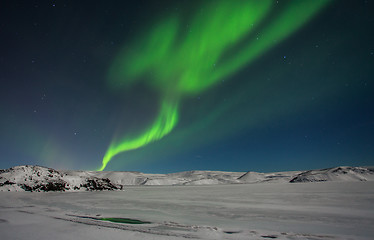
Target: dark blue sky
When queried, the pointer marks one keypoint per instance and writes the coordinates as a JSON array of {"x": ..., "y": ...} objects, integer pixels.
[{"x": 306, "y": 103}]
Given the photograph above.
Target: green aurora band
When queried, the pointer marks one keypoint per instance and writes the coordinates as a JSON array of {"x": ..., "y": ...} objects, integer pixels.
[{"x": 220, "y": 40}]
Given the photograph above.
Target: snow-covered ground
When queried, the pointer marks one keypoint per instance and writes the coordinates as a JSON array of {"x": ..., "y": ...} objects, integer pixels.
[{"x": 314, "y": 210}]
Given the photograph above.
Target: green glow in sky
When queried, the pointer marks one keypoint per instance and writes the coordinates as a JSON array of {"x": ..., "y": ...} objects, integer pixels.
[
  {"x": 180, "y": 60},
  {"x": 164, "y": 123}
]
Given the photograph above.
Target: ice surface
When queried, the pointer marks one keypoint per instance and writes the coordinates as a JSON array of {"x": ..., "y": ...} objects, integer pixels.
[{"x": 317, "y": 210}]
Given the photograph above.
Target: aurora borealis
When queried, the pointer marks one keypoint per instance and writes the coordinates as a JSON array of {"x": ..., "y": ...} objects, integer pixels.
[
  {"x": 195, "y": 63},
  {"x": 183, "y": 85}
]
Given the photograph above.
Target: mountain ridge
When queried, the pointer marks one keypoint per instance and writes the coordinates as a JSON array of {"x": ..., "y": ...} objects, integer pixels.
[{"x": 44, "y": 179}]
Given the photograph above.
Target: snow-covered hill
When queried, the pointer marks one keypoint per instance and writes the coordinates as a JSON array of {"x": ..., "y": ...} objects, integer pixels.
[
  {"x": 276, "y": 177},
  {"x": 337, "y": 174},
  {"x": 36, "y": 178}
]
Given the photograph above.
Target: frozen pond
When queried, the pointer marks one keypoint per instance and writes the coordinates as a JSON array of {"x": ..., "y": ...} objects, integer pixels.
[{"x": 329, "y": 210}]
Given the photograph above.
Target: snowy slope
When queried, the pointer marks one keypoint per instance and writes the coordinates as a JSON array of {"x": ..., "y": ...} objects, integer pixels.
[
  {"x": 121, "y": 178},
  {"x": 194, "y": 178},
  {"x": 338, "y": 174},
  {"x": 276, "y": 177}
]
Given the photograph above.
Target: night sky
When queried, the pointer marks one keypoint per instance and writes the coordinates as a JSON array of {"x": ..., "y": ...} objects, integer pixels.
[{"x": 168, "y": 86}]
